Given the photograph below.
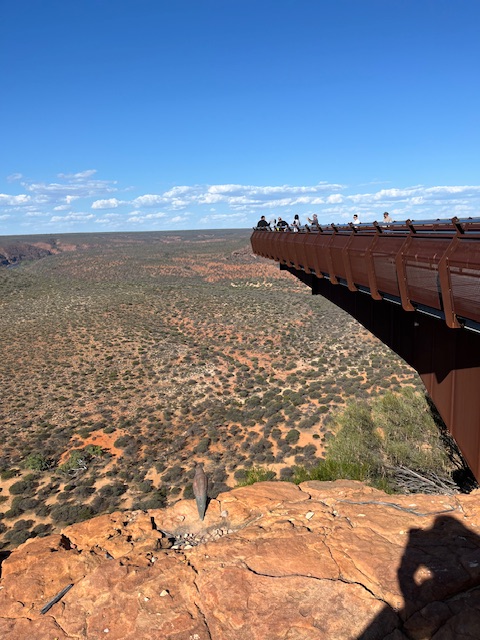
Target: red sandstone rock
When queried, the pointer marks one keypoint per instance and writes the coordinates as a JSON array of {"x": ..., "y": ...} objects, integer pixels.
[{"x": 320, "y": 561}]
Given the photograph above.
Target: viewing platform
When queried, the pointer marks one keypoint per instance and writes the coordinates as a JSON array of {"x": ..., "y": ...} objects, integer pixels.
[{"x": 429, "y": 266}]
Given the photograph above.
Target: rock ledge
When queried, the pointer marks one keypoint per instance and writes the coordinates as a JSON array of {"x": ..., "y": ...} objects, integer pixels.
[{"x": 271, "y": 561}]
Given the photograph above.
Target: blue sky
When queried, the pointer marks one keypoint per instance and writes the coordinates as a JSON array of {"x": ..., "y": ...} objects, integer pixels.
[{"x": 121, "y": 115}]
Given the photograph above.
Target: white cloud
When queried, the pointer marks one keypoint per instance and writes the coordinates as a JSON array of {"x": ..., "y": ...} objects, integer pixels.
[
  {"x": 73, "y": 186},
  {"x": 217, "y": 217},
  {"x": 11, "y": 201},
  {"x": 250, "y": 190},
  {"x": 73, "y": 217},
  {"x": 108, "y": 219},
  {"x": 148, "y": 200},
  {"x": 65, "y": 200},
  {"x": 78, "y": 176},
  {"x": 110, "y": 203},
  {"x": 136, "y": 216},
  {"x": 177, "y": 191},
  {"x": 335, "y": 199},
  {"x": 211, "y": 198},
  {"x": 14, "y": 176}
]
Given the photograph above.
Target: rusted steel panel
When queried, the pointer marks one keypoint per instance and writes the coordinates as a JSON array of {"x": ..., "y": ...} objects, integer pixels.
[
  {"x": 271, "y": 249},
  {"x": 355, "y": 258},
  {"x": 297, "y": 246},
  {"x": 260, "y": 243},
  {"x": 274, "y": 240},
  {"x": 449, "y": 364},
  {"x": 256, "y": 248},
  {"x": 383, "y": 251},
  {"x": 322, "y": 244},
  {"x": 337, "y": 243},
  {"x": 421, "y": 258},
  {"x": 435, "y": 264},
  {"x": 312, "y": 254},
  {"x": 463, "y": 265},
  {"x": 282, "y": 246}
]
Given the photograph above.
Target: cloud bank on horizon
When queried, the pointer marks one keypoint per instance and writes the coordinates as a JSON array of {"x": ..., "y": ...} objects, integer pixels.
[{"x": 83, "y": 202}]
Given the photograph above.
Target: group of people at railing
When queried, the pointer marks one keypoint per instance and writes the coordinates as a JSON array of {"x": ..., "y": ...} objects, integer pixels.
[{"x": 278, "y": 224}]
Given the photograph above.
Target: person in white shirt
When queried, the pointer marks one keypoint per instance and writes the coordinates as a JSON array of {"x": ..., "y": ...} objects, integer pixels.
[
  {"x": 296, "y": 222},
  {"x": 387, "y": 218}
]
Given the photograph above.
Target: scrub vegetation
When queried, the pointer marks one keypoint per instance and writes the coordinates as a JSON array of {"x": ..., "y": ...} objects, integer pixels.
[{"x": 127, "y": 357}]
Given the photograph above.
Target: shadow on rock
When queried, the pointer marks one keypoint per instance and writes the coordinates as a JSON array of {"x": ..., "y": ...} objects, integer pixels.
[
  {"x": 439, "y": 577},
  {"x": 3, "y": 556}
]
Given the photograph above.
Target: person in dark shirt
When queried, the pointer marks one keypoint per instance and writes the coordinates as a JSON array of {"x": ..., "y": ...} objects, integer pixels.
[
  {"x": 282, "y": 225},
  {"x": 262, "y": 223}
]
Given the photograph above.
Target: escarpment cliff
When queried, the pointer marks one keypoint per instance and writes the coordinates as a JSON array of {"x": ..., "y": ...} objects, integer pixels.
[
  {"x": 270, "y": 561},
  {"x": 14, "y": 252}
]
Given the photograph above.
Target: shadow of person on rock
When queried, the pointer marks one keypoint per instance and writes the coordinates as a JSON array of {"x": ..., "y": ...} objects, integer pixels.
[{"x": 439, "y": 578}]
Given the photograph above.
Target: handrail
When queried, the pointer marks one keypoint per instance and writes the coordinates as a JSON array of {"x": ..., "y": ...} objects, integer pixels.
[{"x": 452, "y": 226}]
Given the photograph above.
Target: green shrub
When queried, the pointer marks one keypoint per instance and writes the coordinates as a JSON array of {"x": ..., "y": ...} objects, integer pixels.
[
  {"x": 292, "y": 436},
  {"x": 188, "y": 492},
  {"x": 257, "y": 474},
  {"x": 113, "y": 490},
  {"x": 9, "y": 473},
  {"x": 123, "y": 441},
  {"x": 94, "y": 450},
  {"x": 357, "y": 441},
  {"x": 331, "y": 470},
  {"x": 202, "y": 446},
  {"x": 410, "y": 434},
  {"x": 394, "y": 430},
  {"x": 26, "y": 486},
  {"x": 42, "y": 530},
  {"x": 17, "y": 536},
  {"x": 37, "y": 462},
  {"x": 80, "y": 458},
  {"x": 66, "y": 514}
]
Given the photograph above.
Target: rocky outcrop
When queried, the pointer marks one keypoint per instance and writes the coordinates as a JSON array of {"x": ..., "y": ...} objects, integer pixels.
[
  {"x": 270, "y": 561},
  {"x": 15, "y": 252}
]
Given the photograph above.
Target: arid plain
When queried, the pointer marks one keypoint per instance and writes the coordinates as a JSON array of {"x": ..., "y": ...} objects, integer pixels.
[{"x": 126, "y": 358}]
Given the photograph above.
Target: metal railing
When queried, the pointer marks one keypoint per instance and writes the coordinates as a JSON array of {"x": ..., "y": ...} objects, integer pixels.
[{"x": 432, "y": 266}]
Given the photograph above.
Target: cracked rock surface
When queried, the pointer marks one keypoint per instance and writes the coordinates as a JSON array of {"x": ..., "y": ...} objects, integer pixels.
[{"x": 271, "y": 561}]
